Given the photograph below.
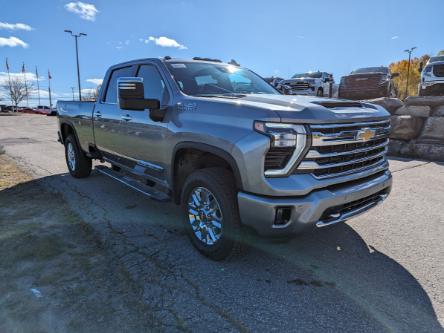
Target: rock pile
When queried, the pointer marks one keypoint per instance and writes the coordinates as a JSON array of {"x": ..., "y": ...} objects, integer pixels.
[{"x": 417, "y": 126}]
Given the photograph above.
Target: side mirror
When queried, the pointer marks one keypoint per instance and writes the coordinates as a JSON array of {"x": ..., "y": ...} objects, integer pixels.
[
  {"x": 421, "y": 66},
  {"x": 395, "y": 75},
  {"x": 131, "y": 95}
]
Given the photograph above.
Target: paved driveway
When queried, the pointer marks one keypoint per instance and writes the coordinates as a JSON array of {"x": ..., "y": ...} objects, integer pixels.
[{"x": 383, "y": 271}]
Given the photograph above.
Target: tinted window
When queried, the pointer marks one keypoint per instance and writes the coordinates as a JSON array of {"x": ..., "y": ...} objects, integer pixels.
[
  {"x": 111, "y": 92},
  {"x": 153, "y": 83},
  {"x": 383, "y": 70}
]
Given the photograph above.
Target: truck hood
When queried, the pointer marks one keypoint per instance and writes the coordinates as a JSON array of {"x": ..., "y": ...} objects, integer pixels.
[{"x": 313, "y": 110}]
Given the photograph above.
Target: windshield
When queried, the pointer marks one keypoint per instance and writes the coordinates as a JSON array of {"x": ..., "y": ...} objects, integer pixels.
[
  {"x": 314, "y": 75},
  {"x": 383, "y": 70},
  {"x": 436, "y": 59},
  {"x": 205, "y": 79}
]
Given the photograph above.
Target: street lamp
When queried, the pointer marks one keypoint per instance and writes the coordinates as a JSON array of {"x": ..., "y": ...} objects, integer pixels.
[
  {"x": 409, "y": 51},
  {"x": 77, "y": 58}
]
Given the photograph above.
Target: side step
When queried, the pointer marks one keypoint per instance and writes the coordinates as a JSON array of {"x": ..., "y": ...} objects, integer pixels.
[{"x": 149, "y": 191}]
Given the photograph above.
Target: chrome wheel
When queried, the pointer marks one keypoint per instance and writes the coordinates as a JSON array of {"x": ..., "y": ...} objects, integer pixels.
[
  {"x": 71, "y": 156},
  {"x": 205, "y": 215}
]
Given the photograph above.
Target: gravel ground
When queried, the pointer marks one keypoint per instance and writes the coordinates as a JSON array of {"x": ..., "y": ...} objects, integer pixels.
[{"x": 380, "y": 272}]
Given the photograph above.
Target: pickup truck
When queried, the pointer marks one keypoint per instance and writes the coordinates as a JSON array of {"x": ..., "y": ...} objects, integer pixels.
[
  {"x": 311, "y": 84},
  {"x": 368, "y": 83},
  {"x": 432, "y": 77},
  {"x": 230, "y": 149}
]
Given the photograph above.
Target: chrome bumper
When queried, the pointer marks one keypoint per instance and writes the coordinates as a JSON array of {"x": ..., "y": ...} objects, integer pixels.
[{"x": 259, "y": 212}]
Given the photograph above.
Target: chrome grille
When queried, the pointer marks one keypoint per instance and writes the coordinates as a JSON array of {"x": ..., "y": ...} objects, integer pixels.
[
  {"x": 299, "y": 85},
  {"x": 341, "y": 149}
]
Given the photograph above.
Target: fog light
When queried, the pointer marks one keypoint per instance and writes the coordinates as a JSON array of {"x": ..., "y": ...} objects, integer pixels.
[{"x": 283, "y": 215}]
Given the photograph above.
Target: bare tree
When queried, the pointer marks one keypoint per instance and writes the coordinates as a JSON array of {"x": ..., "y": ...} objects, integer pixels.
[{"x": 17, "y": 90}]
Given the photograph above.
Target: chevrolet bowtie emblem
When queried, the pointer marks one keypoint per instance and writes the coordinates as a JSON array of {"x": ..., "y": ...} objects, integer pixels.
[{"x": 365, "y": 134}]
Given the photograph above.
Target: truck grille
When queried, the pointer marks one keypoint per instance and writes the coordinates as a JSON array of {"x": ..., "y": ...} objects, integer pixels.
[
  {"x": 341, "y": 149},
  {"x": 438, "y": 70},
  {"x": 299, "y": 85}
]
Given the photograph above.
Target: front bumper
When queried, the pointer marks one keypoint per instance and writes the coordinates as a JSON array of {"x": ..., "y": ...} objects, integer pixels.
[
  {"x": 432, "y": 89},
  {"x": 305, "y": 92},
  {"x": 308, "y": 211}
]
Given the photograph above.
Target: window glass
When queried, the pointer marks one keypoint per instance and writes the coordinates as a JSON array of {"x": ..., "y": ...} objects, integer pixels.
[
  {"x": 153, "y": 83},
  {"x": 206, "y": 79},
  {"x": 111, "y": 92}
]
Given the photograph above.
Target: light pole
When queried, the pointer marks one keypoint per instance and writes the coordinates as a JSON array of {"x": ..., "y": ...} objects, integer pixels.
[
  {"x": 76, "y": 37},
  {"x": 409, "y": 51}
]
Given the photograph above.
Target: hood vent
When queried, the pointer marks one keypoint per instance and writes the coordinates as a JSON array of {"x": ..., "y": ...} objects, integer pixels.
[{"x": 343, "y": 104}]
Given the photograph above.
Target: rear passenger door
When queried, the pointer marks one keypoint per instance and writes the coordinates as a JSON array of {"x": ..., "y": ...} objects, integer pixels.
[
  {"x": 145, "y": 138},
  {"x": 108, "y": 130}
]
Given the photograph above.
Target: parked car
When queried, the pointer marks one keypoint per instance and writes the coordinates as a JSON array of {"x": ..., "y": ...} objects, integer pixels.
[
  {"x": 233, "y": 152},
  {"x": 273, "y": 80},
  {"x": 368, "y": 83},
  {"x": 42, "y": 109},
  {"x": 432, "y": 77},
  {"x": 311, "y": 83}
]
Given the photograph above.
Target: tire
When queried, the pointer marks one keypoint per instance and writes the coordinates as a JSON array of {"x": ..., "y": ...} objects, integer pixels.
[
  {"x": 221, "y": 227},
  {"x": 79, "y": 165},
  {"x": 320, "y": 92}
]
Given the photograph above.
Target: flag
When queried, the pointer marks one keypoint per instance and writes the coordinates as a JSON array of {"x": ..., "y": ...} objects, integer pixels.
[
  {"x": 49, "y": 75},
  {"x": 23, "y": 68},
  {"x": 7, "y": 65}
]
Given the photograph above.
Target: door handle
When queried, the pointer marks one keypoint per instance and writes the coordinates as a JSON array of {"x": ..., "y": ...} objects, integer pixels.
[
  {"x": 98, "y": 114},
  {"x": 126, "y": 117}
]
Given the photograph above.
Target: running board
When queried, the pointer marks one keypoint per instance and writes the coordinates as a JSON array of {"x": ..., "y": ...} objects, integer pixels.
[{"x": 149, "y": 191}]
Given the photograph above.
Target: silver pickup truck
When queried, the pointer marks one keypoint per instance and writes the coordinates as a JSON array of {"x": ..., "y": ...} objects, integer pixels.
[{"x": 220, "y": 141}]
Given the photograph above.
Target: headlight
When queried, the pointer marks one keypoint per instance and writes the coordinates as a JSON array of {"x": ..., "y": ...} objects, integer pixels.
[{"x": 287, "y": 139}]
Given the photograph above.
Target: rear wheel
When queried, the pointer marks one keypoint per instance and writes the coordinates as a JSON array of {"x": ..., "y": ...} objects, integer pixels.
[
  {"x": 212, "y": 220},
  {"x": 79, "y": 165}
]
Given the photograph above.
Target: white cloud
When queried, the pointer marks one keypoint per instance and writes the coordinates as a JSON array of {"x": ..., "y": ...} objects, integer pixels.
[
  {"x": 12, "y": 42},
  {"x": 95, "y": 81},
  {"x": 30, "y": 77},
  {"x": 86, "y": 11},
  {"x": 15, "y": 26},
  {"x": 395, "y": 37},
  {"x": 163, "y": 42}
]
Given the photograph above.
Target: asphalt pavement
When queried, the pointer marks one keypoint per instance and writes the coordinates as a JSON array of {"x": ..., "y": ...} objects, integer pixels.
[{"x": 381, "y": 272}]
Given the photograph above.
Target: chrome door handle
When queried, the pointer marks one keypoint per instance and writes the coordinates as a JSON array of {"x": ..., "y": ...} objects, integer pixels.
[{"x": 126, "y": 117}]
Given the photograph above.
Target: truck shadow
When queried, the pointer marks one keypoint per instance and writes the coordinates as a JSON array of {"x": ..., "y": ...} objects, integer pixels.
[
  {"x": 329, "y": 279},
  {"x": 337, "y": 257}
]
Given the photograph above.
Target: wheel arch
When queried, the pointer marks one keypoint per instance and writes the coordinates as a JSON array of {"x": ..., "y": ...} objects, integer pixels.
[{"x": 199, "y": 155}]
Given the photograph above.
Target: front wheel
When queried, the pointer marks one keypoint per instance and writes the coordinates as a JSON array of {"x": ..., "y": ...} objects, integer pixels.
[
  {"x": 211, "y": 213},
  {"x": 79, "y": 165},
  {"x": 320, "y": 92}
]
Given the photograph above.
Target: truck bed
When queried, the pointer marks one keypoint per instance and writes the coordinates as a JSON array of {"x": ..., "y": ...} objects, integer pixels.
[{"x": 79, "y": 115}]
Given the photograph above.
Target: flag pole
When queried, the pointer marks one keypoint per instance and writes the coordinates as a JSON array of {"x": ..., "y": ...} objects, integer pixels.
[
  {"x": 9, "y": 79},
  {"x": 26, "y": 85},
  {"x": 49, "y": 90},
  {"x": 38, "y": 85}
]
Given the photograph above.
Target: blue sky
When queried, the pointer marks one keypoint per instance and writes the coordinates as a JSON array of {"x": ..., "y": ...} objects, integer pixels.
[{"x": 270, "y": 37}]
